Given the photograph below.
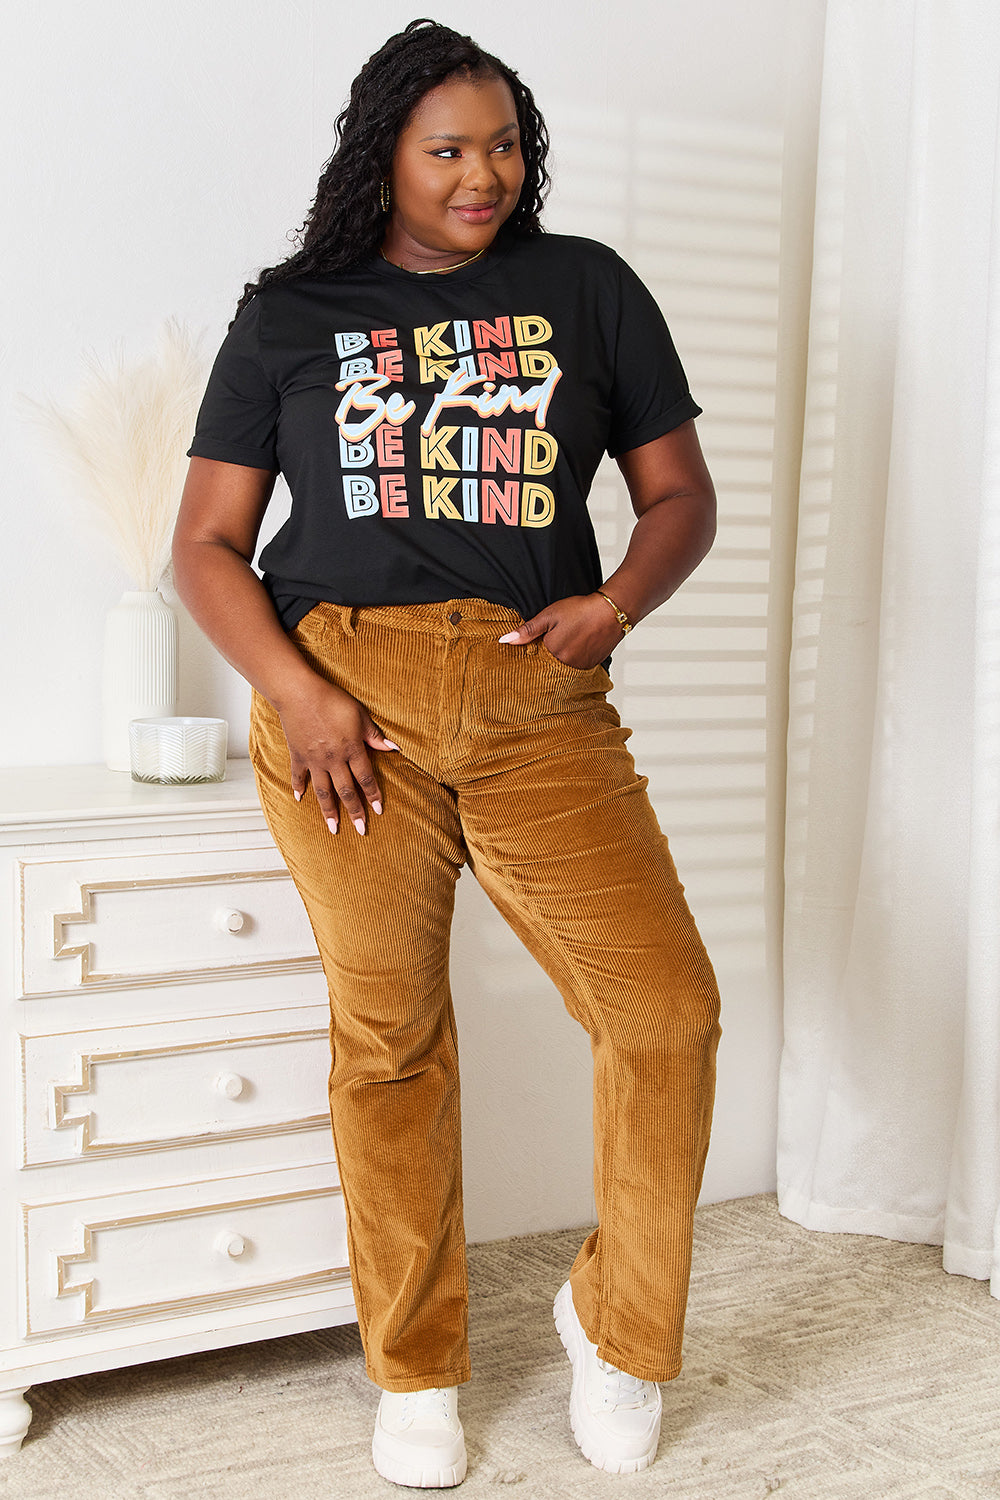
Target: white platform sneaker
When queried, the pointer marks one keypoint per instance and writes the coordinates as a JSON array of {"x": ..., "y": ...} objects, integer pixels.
[
  {"x": 615, "y": 1417},
  {"x": 418, "y": 1438}
]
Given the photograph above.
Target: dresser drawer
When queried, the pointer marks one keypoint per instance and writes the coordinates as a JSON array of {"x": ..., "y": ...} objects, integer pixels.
[
  {"x": 167, "y": 1251},
  {"x": 145, "y": 1088},
  {"x": 158, "y": 918}
]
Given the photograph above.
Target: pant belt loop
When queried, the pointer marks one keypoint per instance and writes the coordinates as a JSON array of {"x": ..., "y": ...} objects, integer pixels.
[{"x": 347, "y": 618}]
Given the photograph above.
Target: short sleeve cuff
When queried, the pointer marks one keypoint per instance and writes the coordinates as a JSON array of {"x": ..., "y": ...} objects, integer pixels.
[
  {"x": 231, "y": 453},
  {"x": 681, "y": 411}
]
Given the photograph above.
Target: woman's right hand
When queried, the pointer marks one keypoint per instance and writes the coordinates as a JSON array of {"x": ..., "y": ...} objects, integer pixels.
[{"x": 329, "y": 734}]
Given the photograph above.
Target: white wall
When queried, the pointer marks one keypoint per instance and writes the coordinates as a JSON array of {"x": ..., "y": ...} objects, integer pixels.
[{"x": 157, "y": 155}]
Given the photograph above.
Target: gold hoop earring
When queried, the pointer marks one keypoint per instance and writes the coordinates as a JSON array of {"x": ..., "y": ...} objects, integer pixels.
[{"x": 383, "y": 193}]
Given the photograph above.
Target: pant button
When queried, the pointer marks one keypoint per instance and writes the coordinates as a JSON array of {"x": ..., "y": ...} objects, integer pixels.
[{"x": 455, "y": 616}]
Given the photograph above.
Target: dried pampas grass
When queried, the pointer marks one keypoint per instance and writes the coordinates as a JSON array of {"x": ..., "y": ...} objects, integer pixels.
[{"x": 124, "y": 442}]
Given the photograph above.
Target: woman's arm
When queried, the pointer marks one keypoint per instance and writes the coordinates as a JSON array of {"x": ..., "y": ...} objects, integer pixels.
[
  {"x": 328, "y": 731},
  {"x": 674, "y": 499}
]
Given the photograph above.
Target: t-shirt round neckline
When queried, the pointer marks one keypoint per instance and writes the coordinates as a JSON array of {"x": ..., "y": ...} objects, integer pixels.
[{"x": 461, "y": 274}]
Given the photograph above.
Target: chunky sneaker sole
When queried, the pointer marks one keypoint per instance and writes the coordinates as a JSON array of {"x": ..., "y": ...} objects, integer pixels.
[
  {"x": 615, "y": 1453},
  {"x": 421, "y": 1458}
]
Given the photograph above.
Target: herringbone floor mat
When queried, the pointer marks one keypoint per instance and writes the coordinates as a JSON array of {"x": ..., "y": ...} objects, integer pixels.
[{"x": 823, "y": 1367}]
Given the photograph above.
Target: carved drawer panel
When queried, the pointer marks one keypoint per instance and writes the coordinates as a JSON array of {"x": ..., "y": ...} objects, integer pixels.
[
  {"x": 143, "y": 1088},
  {"x": 158, "y": 918},
  {"x": 167, "y": 1251}
]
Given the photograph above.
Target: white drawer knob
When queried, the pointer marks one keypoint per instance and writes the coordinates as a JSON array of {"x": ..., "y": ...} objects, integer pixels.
[
  {"x": 230, "y": 1085},
  {"x": 230, "y": 921},
  {"x": 231, "y": 1244}
]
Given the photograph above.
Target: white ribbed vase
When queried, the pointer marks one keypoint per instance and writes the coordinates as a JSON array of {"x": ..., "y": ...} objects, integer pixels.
[{"x": 140, "y": 668}]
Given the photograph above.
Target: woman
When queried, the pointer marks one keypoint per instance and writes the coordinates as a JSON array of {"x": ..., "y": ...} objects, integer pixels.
[{"x": 438, "y": 380}]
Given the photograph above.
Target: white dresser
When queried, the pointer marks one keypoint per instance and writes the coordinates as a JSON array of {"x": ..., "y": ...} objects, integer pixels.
[{"x": 168, "y": 1182}]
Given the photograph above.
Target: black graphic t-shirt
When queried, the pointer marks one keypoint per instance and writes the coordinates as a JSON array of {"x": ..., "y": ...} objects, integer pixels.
[{"x": 440, "y": 434}]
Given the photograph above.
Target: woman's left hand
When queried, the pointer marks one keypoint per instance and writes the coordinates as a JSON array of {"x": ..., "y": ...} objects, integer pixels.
[
  {"x": 674, "y": 502},
  {"x": 579, "y": 631}
]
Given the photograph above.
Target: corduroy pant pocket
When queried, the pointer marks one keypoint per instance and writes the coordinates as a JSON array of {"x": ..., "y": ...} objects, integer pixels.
[{"x": 515, "y": 763}]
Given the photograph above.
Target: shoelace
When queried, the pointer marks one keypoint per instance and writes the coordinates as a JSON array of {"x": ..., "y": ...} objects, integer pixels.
[
  {"x": 622, "y": 1390},
  {"x": 432, "y": 1405}
]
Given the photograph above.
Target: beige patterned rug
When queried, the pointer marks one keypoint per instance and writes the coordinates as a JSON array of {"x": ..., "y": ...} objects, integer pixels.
[{"x": 819, "y": 1367}]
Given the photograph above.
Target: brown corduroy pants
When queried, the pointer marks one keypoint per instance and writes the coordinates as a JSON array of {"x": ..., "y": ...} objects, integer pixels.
[{"x": 516, "y": 764}]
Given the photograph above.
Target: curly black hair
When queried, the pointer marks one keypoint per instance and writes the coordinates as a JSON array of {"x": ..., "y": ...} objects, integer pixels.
[{"x": 346, "y": 224}]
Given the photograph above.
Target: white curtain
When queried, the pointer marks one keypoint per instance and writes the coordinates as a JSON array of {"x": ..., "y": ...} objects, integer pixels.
[{"x": 890, "y": 1083}]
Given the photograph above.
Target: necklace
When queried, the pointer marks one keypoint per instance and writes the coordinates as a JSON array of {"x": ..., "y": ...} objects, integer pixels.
[{"x": 435, "y": 270}]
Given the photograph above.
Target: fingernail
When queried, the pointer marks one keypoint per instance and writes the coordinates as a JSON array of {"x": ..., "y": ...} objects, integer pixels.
[
  {"x": 359, "y": 824},
  {"x": 505, "y": 640},
  {"x": 377, "y": 807},
  {"x": 297, "y": 795},
  {"x": 332, "y": 824},
  {"x": 390, "y": 746}
]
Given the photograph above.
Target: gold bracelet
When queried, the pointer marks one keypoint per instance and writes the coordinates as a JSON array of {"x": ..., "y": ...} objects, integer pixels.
[{"x": 623, "y": 619}]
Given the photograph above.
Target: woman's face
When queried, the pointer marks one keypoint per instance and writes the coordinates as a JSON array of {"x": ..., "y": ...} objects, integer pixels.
[{"x": 456, "y": 174}]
